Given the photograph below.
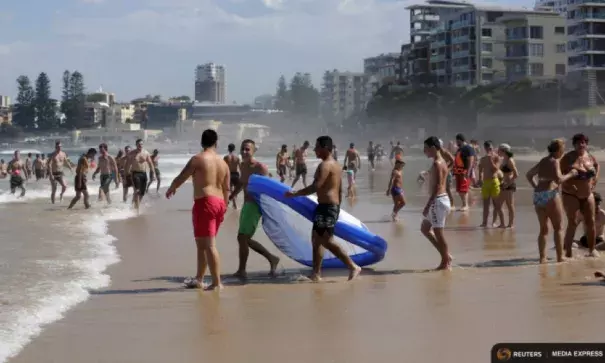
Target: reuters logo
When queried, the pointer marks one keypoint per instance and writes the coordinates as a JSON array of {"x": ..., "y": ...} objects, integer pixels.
[{"x": 503, "y": 354}]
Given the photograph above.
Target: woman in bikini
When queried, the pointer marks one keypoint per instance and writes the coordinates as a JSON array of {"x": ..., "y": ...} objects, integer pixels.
[
  {"x": 577, "y": 192},
  {"x": 509, "y": 185},
  {"x": 547, "y": 200}
]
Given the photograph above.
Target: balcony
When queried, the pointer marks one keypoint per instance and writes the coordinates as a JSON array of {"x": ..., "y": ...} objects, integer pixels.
[
  {"x": 461, "y": 54},
  {"x": 590, "y": 16},
  {"x": 440, "y": 71},
  {"x": 437, "y": 58},
  {"x": 517, "y": 37},
  {"x": 425, "y": 17},
  {"x": 513, "y": 56},
  {"x": 461, "y": 68},
  {"x": 438, "y": 29},
  {"x": 438, "y": 44},
  {"x": 583, "y": 2},
  {"x": 461, "y": 24},
  {"x": 461, "y": 39}
]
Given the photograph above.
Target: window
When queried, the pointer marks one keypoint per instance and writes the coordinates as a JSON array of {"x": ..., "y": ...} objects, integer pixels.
[
  {"x": 560, "y": 69},
  {"x": 486, "y": 32},
  {"x": 560, "y": 48},
  {"x": 486, "y": 47},
  {"x": 486, "y": 62},
  {"x": 536, "y": 32},
  {"x": 536, "y": 50},
  {"x": 536, "y": 69},
  {"x": 559, "y": 30}
]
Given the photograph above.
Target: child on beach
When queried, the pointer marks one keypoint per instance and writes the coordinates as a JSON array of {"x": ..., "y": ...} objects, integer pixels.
[
  {"x": 395, "y": 188},
  {"x": 350, "y": 171}
]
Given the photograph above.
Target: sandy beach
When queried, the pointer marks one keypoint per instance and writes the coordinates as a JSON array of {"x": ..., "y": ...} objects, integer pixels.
[{"x": 396, "y": 311}]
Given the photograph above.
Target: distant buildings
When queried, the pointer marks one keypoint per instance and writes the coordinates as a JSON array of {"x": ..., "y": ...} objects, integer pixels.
[
  {"x": 265, "y": 102},
  {"x": 210, "y": 83},
  {"x": 6, "y": 114},
  {"x": 343, "y": 94}
]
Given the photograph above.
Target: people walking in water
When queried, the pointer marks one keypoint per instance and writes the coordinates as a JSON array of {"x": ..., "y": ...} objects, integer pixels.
[
  {"x": 292, "y": 165},
  {"x": 233, "y": 161},
  {"x": 28, "y": 166},
  {"x": 138, "y": 164},
  {"x": 395, "y": 189},
  {"x": 38, "y": 167},
  {"x": 438, "y": 206},
  {"x": 155, "y": 158},
  {"x": 107, "y": 166},
  {"x": 547, "y": 199},
  {"x": 211, "y": 188},
  {"x": 126, "y": 182},
  {"x": 463, "y": 162},
  {"x": 352, "y": 157},
  {"x": 351, "y": 189},
  {"x": 300, "y": 164},
  {"x": 16, "y": 170},
  {"x": 281, "y": 163},
  {"x": 250, "y": 214},
  {"x": 371, "y": 155},
  {"x": 80, "y": 180},
  {"x": 327, "y": 184},
  {"x": 3, "y": 167},
  {"x": 577, "y": 192},
  {"x": 508, "y": 167},
  {"x": 57, "y": 161},
  {"x": 489, "y": 168}
]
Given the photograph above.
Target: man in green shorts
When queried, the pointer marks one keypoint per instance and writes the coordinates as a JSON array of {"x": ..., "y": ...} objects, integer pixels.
[{"x": 250, "y": 213}]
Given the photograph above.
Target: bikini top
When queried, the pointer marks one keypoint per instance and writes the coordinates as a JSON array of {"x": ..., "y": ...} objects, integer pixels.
[
  {"x": 585, "y": 175},
  {"x": 506, "y": 169}
]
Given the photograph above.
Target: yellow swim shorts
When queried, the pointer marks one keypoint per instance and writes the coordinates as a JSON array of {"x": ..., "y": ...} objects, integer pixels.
[{"x": 490, "y": 188}]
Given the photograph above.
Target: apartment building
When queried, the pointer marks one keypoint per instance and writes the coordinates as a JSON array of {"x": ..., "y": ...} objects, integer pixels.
[
  {"x": 586, "y": 30},
  {"x": 558, "y": 6},
  {"x": 210, "y": 83},
  {"x": 535, "y": 46},
  {"x": 343, "y": 94},
  {"x": 468, "y": 47}
]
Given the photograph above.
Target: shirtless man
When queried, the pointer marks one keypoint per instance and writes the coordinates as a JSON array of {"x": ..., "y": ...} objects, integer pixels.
[
  {"x": 44, "y": 166},
  {"x": 396, "y": 151},
  {"x": 233, "y": 161},
  {"x": 38, "y": 168},
  {"x": 352, "y": 156},
  {"x": 292, "y": 164},
  {"x": 489, "y": 168},
  {"x": 56, "y": 162},
  {"x": 281, "y": 162},
  {"x": 300, "y": 164},
  {"x": 155, "y": 158},
  {"x": 126, "y": 182},
  {"x": 106, "y": 165},
  {"x": 137, "y": 163},
  {"x": 3, "y": 166},
  {"x": 449, "y": 160},
  {"x": 438, "y": 206},
  {"x": 16, "y": 170},
  {"x": 327, "y": 184},
  {"x": 210, "y": 177},
  {"x": 28, "y": 166},
  {"x": 395, "y": 189},
  {"x": 250, "y": 215},
  {"x": 80, "y": 180},
  {"x": 371, "y": 154}
]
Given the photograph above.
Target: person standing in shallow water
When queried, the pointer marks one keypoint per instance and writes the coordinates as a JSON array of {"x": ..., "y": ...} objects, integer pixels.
[
  {"x": 108, "y": 168},
  {"x": 155, "y": 159},
  {"x": 56, "y": 162},
  {"x": 137, "y": 163},
  {"x": 490, "y": 182},
  {"x": 232, "y": 160},
  {"x": 328, "y": 186},
  {"x": 547, "y": 199},
  {"x": 210, "y": 177},
  {"x": 508, "y": 167},
  {"x": 80, "y": 180},
  {"x": 250, "y": 214},
  {"x": 438, "y": 206},
  {"x": 16, "y": 170}
]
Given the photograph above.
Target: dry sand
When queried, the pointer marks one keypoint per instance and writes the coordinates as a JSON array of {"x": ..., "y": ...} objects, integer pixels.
[{"x": 497, "y": 293}]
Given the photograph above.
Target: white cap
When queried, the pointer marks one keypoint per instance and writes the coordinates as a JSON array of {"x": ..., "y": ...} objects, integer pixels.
[
  {"x": 505, "y": 147},
  {"x": 440, "y": 143}
]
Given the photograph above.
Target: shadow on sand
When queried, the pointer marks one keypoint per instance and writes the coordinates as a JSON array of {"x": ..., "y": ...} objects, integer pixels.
[
  {"x": 515, "y": 262},
  {"x": 586, "y": 283}
]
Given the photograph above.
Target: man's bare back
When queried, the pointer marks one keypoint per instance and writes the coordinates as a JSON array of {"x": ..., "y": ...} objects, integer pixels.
[
  {"x": 300, "y": 156},
  {"x": 210, "y": 176},
  {"x": 233, "y": 162},
  {"x": 438, "y": 176}
]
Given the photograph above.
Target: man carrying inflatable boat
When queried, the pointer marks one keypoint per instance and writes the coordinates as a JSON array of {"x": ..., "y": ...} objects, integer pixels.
[{"x": 327, "y": 184}]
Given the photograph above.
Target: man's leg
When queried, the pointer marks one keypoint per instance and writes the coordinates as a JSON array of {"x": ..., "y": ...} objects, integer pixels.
[
  {"x": 327, "y": 240},
  {"x": 53, "y": 190},
  {"x": 245, "y": 244},
  {"x": 211, "y": 256},
  {"x": 86, "y": 198},
  {"x": 63, "y": 189},
  {"x": 75, "y": 199}
]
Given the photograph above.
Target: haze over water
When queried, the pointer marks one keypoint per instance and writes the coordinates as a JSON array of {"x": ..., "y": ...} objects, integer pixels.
[{"x": 397, "y": 311}]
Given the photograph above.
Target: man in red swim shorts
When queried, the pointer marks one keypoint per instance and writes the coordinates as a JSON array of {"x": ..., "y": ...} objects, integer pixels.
[
  {"x": 210, "y": 176},
  {"x": 463, "y": 162}
]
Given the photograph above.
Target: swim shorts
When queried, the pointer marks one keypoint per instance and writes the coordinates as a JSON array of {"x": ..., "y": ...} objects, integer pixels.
[
  {"x": 281, "y": 170},
  {"x": 139, "y": 182},
  {"x": 106, "y": 182},
  {"x": 326, "y": 216},
  {"x": 39, "y": 174},
  {"x": 490, "y": 188},
  {"x": 16, "y": 181},
  {"x": 438, "y": 211},
  {"x": 463, "y": 183},
  {"x": 207, "y": 215},
  {"x": 80, "y": 183},
  {"x": 249, "y": 218},
  {"x": 396, "y": 191},
  {"x": 57, "y": 177},
  {"x": 301, "y": 169},
  {"x": 234, "y": 178}
]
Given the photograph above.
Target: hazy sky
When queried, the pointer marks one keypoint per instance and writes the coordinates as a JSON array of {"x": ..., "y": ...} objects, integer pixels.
[{"x": 135, "y": 47}]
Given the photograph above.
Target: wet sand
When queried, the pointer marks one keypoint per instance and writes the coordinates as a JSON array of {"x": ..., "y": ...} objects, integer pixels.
[{"x": 396, "y": 312}]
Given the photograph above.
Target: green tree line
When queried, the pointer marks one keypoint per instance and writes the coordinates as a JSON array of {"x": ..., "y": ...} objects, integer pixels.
[
  {"x": 299, "y": 97},
  {"x": 36, "y": 110}
]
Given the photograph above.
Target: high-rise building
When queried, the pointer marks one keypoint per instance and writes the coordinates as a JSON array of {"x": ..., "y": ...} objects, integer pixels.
[
  {"x": 343, "y": 94},
  {"x": 210, "y": 83}
]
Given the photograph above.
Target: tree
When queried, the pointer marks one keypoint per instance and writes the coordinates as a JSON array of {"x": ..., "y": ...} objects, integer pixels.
[
  {"x": 46, "y": 109},
  {"x": 180, "y": 99},
  {"x": 24, "y": 110},
  {"x": 282, "y": 100},
  {"x": 66, "y": 101},
  {"x": 304, "y": 98},
  {"x": 77, "y": 100}
]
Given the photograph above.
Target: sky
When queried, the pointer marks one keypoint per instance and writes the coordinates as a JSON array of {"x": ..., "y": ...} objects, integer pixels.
[{"x": 138, "y": 47}]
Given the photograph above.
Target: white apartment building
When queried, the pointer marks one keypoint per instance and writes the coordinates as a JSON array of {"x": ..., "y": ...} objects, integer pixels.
[
  {"x": 343, "y": 94},
  {"x": 5, "y": 101},
  {"x": 210, "y": 83},
  {"x": 559, "y": 6}
]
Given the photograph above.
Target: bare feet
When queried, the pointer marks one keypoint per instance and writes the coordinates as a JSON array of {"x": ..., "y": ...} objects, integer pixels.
[
  {"x": 463, "y": 209},
  {"x": 194, "y": 283},
  {"x": 394, "y": 217},
  {"x": 483, "y": 225},
  {"x": 446, "y": 264},
  {"x": 511, "y": 226},
  {"x": 543, "y": 260},
  {"x": 315, "y": 277},
  {"x": 274, "y": 262},
  {"x": 593, "y": 253},
  {"x": 354, "y": 272},
  {"x": 242, "y": 275},
  {"x": 214, "y": 287}
]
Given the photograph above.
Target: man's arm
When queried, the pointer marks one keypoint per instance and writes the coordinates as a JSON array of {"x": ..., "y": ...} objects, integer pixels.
[
  {"x": 226, "y": 184},
  {"x": 114, "y": 167},
  {"x": 127, "y": 164},
  {"x": 436, "y": 183},
  {"x": 390, "y": 182},
  {"x": 321, "y": 176},
  {"x": 277, "y": 160},
  {"x": 151, "y": 166},
  {"x": 358, "y": 159},
  {"x": 185, "y": 174},
  {"x": 97, "y": 171}
]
